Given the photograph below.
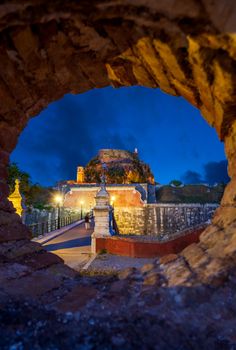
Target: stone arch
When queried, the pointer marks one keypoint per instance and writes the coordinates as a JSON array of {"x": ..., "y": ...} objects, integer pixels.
[{"x": 51, "y": 48}]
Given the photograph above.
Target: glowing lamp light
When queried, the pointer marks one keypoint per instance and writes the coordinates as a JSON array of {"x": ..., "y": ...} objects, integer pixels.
[
  {"x": 58, "y": 199},
  {"x": 81, "y": 202}
]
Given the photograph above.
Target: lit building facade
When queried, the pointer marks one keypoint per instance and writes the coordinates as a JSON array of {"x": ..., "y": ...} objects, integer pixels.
[{"x": 82, "y": 196}]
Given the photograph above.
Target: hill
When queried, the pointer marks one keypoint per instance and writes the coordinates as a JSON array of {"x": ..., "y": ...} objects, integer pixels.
[
  {"x": 122, "y": 167},
  {"x": 190, "y": 194}
]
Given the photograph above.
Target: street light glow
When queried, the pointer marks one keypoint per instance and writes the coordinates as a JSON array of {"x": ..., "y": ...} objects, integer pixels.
[
  {"x": 58, "y": 199},
  {"x": 81, "y": 202}
]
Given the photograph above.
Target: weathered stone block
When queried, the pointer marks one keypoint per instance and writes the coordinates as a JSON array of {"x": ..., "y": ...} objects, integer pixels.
[
  {"x": 76, "y": 299},
  {"x": 13, "y": 232},
  {"x": 195, "y": 256},
  {"x": 176, "y": 272}
]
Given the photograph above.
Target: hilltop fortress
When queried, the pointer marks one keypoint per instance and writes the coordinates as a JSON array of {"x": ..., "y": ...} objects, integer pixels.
[
  {"x": 130, "y": 181},
  {"x": 123, "y": 167}
]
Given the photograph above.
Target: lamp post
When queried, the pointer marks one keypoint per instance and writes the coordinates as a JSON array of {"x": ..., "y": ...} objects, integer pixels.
[
  {"x": 58, "y": 199},
  {"x": 81, "y": 209}
]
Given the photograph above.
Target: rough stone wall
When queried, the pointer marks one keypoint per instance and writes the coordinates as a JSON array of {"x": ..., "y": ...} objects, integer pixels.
[
  {"x": 109, "y": 155},
  {"x": 49, "y": 48},
  {"x": 130, "y": 220}
]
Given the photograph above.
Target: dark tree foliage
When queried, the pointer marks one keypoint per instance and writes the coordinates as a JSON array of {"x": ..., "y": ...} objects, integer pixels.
[
  {"x": 176, "y": 183},
  {"x": 92, "y": 175},
  {"x": 115, "y": 174},
  {"x": 35, "y": 195},
  {"x": 15, "y": 173},
  {"x": 130, "y": 170}
]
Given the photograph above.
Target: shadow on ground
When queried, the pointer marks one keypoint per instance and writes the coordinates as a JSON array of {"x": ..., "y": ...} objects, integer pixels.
[{"x": 73, "y": 243}]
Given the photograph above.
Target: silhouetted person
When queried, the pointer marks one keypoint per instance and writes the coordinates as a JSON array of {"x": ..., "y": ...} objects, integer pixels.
[{"x": 87, "y": 223}]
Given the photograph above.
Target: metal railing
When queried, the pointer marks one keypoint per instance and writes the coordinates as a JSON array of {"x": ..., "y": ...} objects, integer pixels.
[
  {"x": 113, "y": 228},
  {"x": 174, "y": 218},
  {"x": 41, "y": 228},
  {"x": 162, "y": 220}
]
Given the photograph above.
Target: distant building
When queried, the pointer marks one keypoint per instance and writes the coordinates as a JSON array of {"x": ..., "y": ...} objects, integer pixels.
[
  {"x": 81, "y": 196},
  {"x": 80, "y": 174}
]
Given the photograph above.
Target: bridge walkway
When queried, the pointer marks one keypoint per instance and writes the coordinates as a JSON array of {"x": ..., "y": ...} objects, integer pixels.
[{"x": 73, "y": 246}]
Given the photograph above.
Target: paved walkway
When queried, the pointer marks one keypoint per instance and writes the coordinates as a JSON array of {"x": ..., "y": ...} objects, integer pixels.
[{"x": 73, "y": 246}]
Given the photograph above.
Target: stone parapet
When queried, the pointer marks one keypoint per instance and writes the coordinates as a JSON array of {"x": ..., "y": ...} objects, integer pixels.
[
  {"x": 141, "y": 247},
  {"x": 162, "y": 220}
]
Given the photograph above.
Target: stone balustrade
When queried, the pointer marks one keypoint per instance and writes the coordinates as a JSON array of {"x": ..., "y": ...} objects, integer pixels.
[{"x": 162, "y": 220}]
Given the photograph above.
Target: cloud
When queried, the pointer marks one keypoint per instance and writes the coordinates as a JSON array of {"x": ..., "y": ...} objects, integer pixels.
[
  {"x": 214, "y": 172},
  {"x": 67, "y": 134},
  {"x": 72, "y": 130},
  {"x": 191, "y": 177}
]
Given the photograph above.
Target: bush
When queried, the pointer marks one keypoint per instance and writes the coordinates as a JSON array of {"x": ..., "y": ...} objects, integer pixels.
[{"x": 176, "y": 183}]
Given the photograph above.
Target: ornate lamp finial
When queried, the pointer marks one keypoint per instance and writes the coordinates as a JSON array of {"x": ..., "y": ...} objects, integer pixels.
[
  {"x": 17, "y": 185},
  {"x": 103, "y": 176}
]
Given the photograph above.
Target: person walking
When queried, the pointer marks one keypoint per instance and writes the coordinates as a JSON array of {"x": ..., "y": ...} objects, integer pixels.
[{"x": 87, "y": 223}]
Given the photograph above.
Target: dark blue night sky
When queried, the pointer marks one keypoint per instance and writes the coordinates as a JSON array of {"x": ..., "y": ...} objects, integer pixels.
[{"x": 169, "y": 133}]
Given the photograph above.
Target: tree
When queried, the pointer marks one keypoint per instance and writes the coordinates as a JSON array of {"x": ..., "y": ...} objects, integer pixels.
[
  {"x": 115, "y": 174},
  {"x": 14, "y": 173},
  {"x": 40, "y": 197},
  {"x": 92, "y": 175},
  {"x": 176, "y": 183},
  {"x": 35, "y": 195}
]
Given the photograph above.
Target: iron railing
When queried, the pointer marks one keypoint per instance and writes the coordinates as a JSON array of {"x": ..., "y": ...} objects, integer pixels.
[
  {"x": 113, "y": 228},
  {"x": 171, "y": 219},
  {"x": 162, "y": 220},
  {"x": 41, "y": 228}
]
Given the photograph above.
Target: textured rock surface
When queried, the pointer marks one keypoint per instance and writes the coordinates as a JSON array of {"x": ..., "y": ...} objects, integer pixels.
[
  {"x": 122, "y": 167},
  {"x": 49, "y": 48},
  {"x": 137, "y": 310}
]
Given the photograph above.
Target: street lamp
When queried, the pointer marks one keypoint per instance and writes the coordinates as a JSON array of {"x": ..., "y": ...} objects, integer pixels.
[
  {"x": 58, "y": 200},
  {"x": 81, "y": 209}
]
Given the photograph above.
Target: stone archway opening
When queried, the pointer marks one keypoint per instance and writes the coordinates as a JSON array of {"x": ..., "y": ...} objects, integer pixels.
[
  {"x": 116, "y": 118},
  {"x": 65, "y": 131},
  {"x": 49, "y": 49}
]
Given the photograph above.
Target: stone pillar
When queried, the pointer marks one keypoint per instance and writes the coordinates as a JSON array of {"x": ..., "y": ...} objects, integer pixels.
[{"x": 101, "y": 217}]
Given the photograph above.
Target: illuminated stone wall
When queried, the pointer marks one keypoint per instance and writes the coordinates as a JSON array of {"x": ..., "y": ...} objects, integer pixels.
[{"x": 122, "y": 196}]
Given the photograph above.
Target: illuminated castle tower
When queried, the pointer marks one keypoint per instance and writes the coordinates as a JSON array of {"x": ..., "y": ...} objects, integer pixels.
[{"x": 80, "y": 174}]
